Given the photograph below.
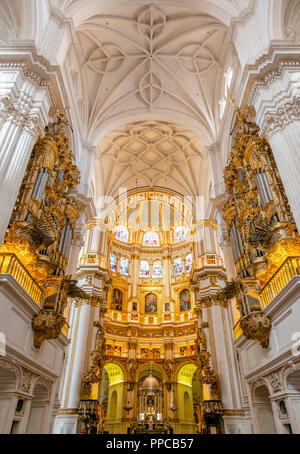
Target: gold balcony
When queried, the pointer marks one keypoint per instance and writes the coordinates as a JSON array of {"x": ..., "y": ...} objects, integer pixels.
[
  {"x": 289, "y": 269},
  {"x": 10, "y": 264}
]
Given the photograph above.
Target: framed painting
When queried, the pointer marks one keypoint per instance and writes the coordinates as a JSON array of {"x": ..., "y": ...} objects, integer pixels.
[{"x": 151, "y": 303}]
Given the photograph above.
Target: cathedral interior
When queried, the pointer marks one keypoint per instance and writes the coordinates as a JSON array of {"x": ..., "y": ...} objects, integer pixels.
[{"x": 149, "y": 217}]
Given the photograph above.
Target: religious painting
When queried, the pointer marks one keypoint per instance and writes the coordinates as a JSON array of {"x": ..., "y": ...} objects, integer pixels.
[
  {"x": 151, "y": 303},
  {"x": 117, "y": 350},
  {"x": 193, "y": 349},
  {"x": 117, "y": 300},
  {"x": 150, "y": 401},
  {"x": 185, "y": 300},
  {"x": 134, "y": 306},
  {"x": 144, "y": 352},
  {"x": 183, "y": 350},
  {"x": 109, "y": 349},
  {"x": 156, "y": 353},
  {"x": 167, "y": 307}
]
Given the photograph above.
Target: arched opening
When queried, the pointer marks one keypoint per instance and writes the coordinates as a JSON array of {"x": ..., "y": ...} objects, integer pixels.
[
  {"x": 290, "y": 407},
  {"x": 187, "y": 407},
  {"x": 8, "y": 400},
  {"x": 264, "y": 418},
  {"x": 111, "y": 399},
  {"x": 39, "y": 408},
  {"x": 190, "y": 397},
  {"x": 113, "y": 406},
  {"x": 150, "y": 396}
]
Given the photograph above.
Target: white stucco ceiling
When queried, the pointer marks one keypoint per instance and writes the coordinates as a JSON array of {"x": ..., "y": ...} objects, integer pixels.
[
  {"x": 151, "y": 154},
  {"x": 142, "y": 60}
]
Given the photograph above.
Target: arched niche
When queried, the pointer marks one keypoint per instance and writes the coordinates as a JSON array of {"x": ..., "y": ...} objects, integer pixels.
[
  {"x": 39, "y": 410},
  {"x": 114, "y": 395},
  {"x": 263, "y": 412},
  {"x": 8, "y": 385},
  {"x": 190, "y": 396},
  {"x": 150, "y": 396}
]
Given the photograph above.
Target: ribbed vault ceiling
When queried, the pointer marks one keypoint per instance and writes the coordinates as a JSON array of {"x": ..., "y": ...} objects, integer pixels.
[
  {"x": 153, "y": 60},
  {"x": 151, "y": 154}
]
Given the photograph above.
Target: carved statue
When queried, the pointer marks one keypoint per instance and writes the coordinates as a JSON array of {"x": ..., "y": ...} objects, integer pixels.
[
  {"x": 201, "y": 340},
  {"x": 100, "y": 345},
  {"x": 87, "y": 381},
  {"x": 132, "y": 367},
  {"x": 168, "y": 368}
]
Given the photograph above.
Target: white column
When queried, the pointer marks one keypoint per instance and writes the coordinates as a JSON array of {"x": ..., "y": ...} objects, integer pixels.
[
  {"x": 77, "y": 244},
  {"x": 103, "y": 239},
  {"x": 86, "y": 167},
  {"x": 78, "y": 355},
  {"x": 219, "y": 344},
  {"x": 216, "y": 170},
  {"x": 277, "y": 104},
  {"x": 24, "y": 106},
  {"x": 95, "y": 239}
]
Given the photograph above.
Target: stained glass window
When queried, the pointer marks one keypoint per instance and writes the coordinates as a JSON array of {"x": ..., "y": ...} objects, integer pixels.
[
  {"x": 178, "y": 268},
  {"x": 123, "y": 266},
  {"x": 121, "y": 234},
  {"x": 188, "y": 263},
  {"x": 151, "y": 239},
  {"x": 113, "y": 261},
  {"x": 180, "y": 234},
  {"x": 144, "y": 268},
  {"x": 157, "y": 269}
]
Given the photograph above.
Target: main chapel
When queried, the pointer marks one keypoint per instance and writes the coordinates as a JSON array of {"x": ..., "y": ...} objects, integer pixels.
[{"x": 149, "y": 217}]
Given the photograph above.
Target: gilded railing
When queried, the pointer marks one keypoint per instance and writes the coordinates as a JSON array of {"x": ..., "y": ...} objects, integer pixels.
[
  {"x": 93, "y": 260},
  {"x": 289, "y": 269},
  {"x": 209, "y": 260},
  {"x": 10, "y": 264}
]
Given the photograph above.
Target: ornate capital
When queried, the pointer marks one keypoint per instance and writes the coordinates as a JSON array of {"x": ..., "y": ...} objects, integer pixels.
[
  {"x": 20, "y": 113},
  {"x": 276, "y": 96},
  {"x": 279, "y": 118}
]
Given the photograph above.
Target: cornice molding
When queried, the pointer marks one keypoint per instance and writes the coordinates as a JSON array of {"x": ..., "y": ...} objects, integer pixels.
[
  {"x": 271, "y": 76},
  {"x": 37, "y": 69},
  {"x": 281, "y": 117}
]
